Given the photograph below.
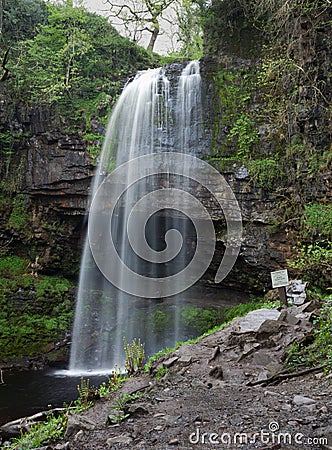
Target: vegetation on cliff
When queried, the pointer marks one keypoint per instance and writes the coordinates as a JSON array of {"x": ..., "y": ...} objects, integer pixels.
[
  {"x": 34, "y": 310},
  {"x": 272, "y": 107}
]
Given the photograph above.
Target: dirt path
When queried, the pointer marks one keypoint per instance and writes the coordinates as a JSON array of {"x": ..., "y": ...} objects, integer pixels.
[{"x": 204, "y": 399}]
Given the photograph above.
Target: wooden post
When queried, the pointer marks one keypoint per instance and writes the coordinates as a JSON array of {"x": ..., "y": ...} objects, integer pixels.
[{"x": 283, "y": 296}]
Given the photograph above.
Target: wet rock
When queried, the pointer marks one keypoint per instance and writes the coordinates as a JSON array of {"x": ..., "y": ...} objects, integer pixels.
[
  {"x": 78, "y": 436},
  {"x": 296, "y": 292},
  {"x": 270, "y": 327},
  {"x": 138, "y": 410},
  {"x": 300, "y": 400},
  {"x": 242, "y": 173},
  {"x": 217, "y": 372},
  {"x": 263, "y": 375},
  {"x": 185, "y": 360},
  {"x": 248, "y": 349},
  {"x": 76, "y": 423},
  {"x": 289, "y": 318},
  {"x": 65, "y": 446},
  {"x": 122, "y": 439},
  {"x": 254, "y": 320},
  {"x": 216, "y": 352},
  {"x": 169, "y": 362}
]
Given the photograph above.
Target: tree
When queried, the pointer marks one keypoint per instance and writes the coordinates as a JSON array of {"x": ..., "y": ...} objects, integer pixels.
[
  {"x": 190, "y": 33},
  {"x": 19, "y": 19},
  {"x": 76, "y": 61},
  {"x": 139, "y": 16}
]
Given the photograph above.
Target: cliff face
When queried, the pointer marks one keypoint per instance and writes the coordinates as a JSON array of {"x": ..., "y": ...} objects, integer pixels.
[
  {"x": 267, "y": 129},
  {"x": 271, "y": 133},
  {"x": 272, "y": 176},
  {"x": 45, "y": 189}
]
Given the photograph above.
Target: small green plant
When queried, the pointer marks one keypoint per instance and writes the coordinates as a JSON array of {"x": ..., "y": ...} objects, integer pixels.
[
  {"x": 135, "y": 355},
  {"x": 312, "y": 258},
  {"x": 12, "y": 266},
  {"x": 41, "y": 434},
  {"x": 245, "y": 133},
  {"x": 87, "y": 394},
  {"x": 113, "y": 383},
  {"x": 19, "y": 218},
  {"x": 318, "y": 220},
  {"x": 120, "y": 404},
  {"x": 265, "y": 173},
  {"x": 318, "y": 351},
  {"x": 161, "y": 372}
]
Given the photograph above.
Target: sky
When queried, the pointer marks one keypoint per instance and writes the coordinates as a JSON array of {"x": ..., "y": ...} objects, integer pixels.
[{"x": 164, "y": 42}]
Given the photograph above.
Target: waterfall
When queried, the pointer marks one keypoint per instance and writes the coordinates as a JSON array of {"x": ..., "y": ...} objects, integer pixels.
[{"x": 141, "y": 123}]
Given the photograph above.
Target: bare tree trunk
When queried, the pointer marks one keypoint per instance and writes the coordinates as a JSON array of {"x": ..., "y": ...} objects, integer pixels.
[{"x": 154, "y": 35}]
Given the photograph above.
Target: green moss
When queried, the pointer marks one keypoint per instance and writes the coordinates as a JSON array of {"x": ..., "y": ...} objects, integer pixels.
[
  {"x": 13, "y": 266},
  {"x": 318, "y": 220},
  {"x": 319, "y": 350},
  {"x": 235, "y": 132},
  {"x": 19, "y": 218},
  {"x": 266, "y": 173},
  {"x": 33, "y": 310}
]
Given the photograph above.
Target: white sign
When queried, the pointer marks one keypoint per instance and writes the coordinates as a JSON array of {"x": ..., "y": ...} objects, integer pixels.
[{"x": 279, "y": 278}]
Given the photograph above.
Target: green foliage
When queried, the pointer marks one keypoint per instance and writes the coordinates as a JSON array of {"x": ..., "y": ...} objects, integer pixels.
[
  {"x": 20, "y": 19},
  {"x": 19, "y": 218},
  {"x": 245, "y": 134},
  {"x": 44, "y": 433},
  {"x": 190, "y": 34},
  {"x": 113, "y": 384},
  {"x": 75, "y": 61},
  {"x": 314, "y": 262},
  {"x": 13, "y": 266},
  {"x": 198, "y": 319},
  {"x": 236, "y": 134},
  {"x": 86, "y": 394},
  {"x": 33, "y": 310},
  {"x": 266, "y": 173},
  {"x": 135, "y": 355},
  {"x": 313, "y": 255},
  {"x": 318, "y": 220},
  {"x": 161, "y": 372},
  {"x": 95, "y": 142},
  {"x": 319, "y": 350}
]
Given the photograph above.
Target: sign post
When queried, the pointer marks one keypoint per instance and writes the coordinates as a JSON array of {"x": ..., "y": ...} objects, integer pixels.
[{"x": 280, "y": 280}]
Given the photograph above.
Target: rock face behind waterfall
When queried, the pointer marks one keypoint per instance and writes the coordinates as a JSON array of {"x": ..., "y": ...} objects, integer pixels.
[{"x": 55, "y": 170}]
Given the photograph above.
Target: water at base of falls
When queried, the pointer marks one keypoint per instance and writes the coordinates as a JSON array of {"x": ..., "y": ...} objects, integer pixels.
[{"x": 150, "y": 116}]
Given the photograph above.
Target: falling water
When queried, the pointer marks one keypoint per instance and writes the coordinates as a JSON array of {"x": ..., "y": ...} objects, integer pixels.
[{"x": 141, "y": 123}]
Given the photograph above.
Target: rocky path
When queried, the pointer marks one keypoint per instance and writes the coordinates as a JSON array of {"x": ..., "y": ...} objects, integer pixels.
[{"x": 224, "y": 392}]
